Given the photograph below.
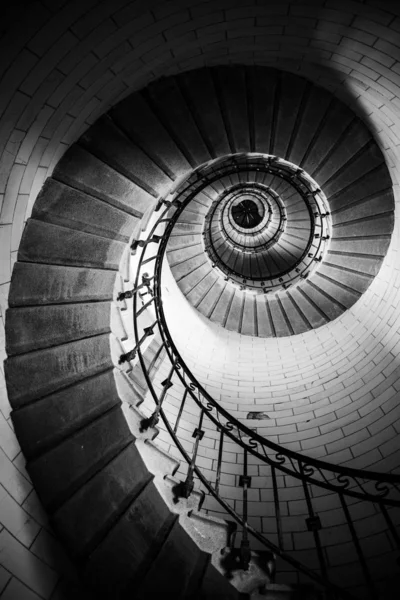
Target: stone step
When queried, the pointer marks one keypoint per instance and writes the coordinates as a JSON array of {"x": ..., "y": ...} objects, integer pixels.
[
  {"x": 106, "y": 141},
  {"x": 123, "y": 556},
  {"x": 210, "y": 533},
  {"x": 86, "y": 518},
  {"x": 117, "y": 324},
  {"x": 134, "y": 418},
  {"x": 32, "y": 328},
  {"x": 119, "y": 287},
  {"x": 54, "y": 244},
  {"x": 125, "y": 265},
  {"x": 309, "y": 128},
  {"x": 169, "y": 489},
  {"x": 200, "y": 97},
  {"x": 157, "y": 461},
  {"x": 41, "y": 372},
  {"x": 159, "y": 145},
  {"x": 62, "y": 470},
  {"x": 166, "y": 566},
  {"x": 215, "y": 587},
  {"x": 255, "y": 578},
  {"x": 126, "y": 317},
  {"x": 45, "y": 423},
  {"x": 117, "y": 348},
  {"x": 43, "y": 284},
  {"x": 81, "y": 170},
  {"x": 166, "y": 95},
  {"x": 127, "y": 391},
  {"x": 61, "y": 204}
]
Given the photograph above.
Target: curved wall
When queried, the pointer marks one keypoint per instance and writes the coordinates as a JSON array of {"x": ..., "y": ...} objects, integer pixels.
[
  {"x": 323, "y": 393},
  {"x": 64, "y": 64}
]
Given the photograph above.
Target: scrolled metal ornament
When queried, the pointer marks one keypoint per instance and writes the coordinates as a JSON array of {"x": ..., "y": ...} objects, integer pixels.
[
  {"x": 230, "y": 426},
  {"x": 280, "y": 459},
  {"x": 344, "y": 481},
  {"x": 208, "y": 406},
  {"x": 382, "y": 489},
  {"x": 308, "y": 470},
  {"x": 252, "y": 443}
]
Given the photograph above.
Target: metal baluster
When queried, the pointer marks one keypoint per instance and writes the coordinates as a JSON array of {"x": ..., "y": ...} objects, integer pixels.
[
  {"x": 132, "y": 353},
  {"x": 178, "y": 418},
  {"x": 149, "y": 259},
  {"x": 367, "y": 575},
  {"x": 144, "y": 307},
  {"x": 145, "y": 283},
  {"x": 151, "y": 364},
  {"x": 155, "y": 417},
  {"x": 277, "y": 508},
  {"x": 313, "y": 523},
  {"x": 141, "y": 243},
  {"x": 391, "y": 527},
  {"x": 220, "y": 450},
  {"x": 186, "y": 487},
  {"x": 245, "y": 483},
  {"x": 162, "y": 202}
]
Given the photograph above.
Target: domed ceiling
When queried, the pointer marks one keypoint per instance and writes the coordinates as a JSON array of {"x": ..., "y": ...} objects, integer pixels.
[{"x": 284, "y": 239}]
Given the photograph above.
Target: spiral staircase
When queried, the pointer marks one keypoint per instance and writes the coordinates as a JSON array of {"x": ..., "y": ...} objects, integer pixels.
[{"x": 158, "y": 180}]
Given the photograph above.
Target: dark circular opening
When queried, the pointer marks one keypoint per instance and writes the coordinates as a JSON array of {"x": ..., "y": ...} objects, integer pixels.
[{"x": 246, "y": 214}]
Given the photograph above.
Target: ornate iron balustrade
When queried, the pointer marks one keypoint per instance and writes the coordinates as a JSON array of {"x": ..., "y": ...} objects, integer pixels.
[{"x": 348, "y": 484}]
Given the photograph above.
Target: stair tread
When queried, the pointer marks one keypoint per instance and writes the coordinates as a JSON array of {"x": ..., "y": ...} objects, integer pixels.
[
  {"x": 166, "y": 571},
  {"x": 157, "y": 460}
]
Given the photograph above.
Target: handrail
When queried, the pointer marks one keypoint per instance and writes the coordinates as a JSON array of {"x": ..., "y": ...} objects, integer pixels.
[
  {"x": 379, "y": 488},
  {"x": 253, "y": 436}
]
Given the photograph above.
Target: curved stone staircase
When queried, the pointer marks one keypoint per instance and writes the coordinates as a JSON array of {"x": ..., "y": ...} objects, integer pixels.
[
  {"x": 322, "y": 137},
  {"x": 101, "y": 480}
]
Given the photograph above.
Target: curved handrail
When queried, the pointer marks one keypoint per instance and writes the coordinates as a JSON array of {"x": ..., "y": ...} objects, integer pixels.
[
  {"x": 344, "y": 481},
  {"x": 317, "y": 463},
  {"x": 270, "y": 545},
  {"x": 254, "y": 438}
]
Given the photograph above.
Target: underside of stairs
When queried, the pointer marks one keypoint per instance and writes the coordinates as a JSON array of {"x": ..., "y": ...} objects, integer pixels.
[{"x": 106, "y": 486}]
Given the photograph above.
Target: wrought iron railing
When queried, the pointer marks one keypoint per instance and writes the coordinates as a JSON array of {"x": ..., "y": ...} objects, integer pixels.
[{"x": 315, "y": 476}]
